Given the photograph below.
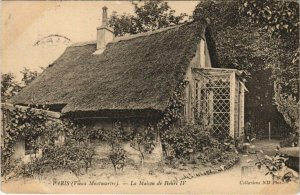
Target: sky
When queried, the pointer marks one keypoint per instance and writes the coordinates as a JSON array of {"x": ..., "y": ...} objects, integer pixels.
[{"x": 35, "y": 33}]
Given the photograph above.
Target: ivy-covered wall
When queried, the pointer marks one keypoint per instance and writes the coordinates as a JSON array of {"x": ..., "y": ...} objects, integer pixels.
[{"x": 102, "y": 148}]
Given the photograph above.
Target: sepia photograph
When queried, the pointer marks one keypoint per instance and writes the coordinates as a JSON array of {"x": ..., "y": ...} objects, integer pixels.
[{"x": 150, "y": 97}]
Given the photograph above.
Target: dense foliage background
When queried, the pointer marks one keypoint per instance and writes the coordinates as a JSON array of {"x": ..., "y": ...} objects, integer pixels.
[
  {"x": 261, "y": 37},
  {"x": 148, "y": 15}
]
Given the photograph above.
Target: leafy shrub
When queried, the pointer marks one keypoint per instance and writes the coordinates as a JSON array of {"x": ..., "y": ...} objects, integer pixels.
[
  {"x": 12, "y": 169},
  {"x": 72, "y": 154},
  {"x": 276, "y": 167},
  {"x": 118, "y": 158},
  {"x": 194, "y": 144},
  {"x": 144, "y": 141},
  {"x": 213, "y": 156},
  {"x": 291, "y": 141},
  {"x": 114, "y": 137},
  {"x": 188, "y": 140}
]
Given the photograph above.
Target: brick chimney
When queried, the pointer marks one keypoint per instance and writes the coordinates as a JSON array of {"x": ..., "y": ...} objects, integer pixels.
[{"x": 105, "y": 34}]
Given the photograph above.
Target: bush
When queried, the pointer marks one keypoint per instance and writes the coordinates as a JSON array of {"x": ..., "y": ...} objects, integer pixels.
[
  {"x": 186, "y": 141},
  {"x": 114, "y": 137},
  {"x": 143, "y": 141},
  {"x": 11, "y": 169},
  {"x": 63, "y": 143},
  {"x": 291, "y": 141},
  {"x": 71, "y": 156},
  {"x": 118, "y": 158},
  {"x": 276, "y": 167}
]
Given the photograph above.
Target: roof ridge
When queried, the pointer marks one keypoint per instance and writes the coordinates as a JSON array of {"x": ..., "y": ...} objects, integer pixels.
[
  {"x": 132, "y": 36},
  {"x": 127, "y": 37},
  {"x": 83, "y": 43}
]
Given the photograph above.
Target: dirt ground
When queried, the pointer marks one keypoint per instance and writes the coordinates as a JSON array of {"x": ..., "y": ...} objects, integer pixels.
[{"x": 244, "y": 177}]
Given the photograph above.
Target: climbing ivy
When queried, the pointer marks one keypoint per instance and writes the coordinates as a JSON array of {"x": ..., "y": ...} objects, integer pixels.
[
  {"x": 64, "y": 144},
  {"x": 21, "y": 123},
  {"x": 173, "y": 112}
]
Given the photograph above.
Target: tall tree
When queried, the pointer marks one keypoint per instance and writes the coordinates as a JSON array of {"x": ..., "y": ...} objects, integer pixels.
[
  {"x": 28, "y": 76},
  {"x": 149, "y": 15},
  {"x": 9, "y": 86},
  {"x": 280, "y": 19},
  {"x": 244, "y": 45}
]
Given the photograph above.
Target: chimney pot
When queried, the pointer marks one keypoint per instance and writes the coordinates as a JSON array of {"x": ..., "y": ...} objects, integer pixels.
[
  {"x": 104, "y": 16},
  {"x": 104, "y": 33}
]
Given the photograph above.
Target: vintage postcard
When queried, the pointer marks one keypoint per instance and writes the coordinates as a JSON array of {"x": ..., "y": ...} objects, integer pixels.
[{"x": 160, "y": 97}]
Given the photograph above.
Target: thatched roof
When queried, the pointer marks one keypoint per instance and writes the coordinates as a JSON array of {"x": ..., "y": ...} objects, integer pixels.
[{"x": 140, "y": 72}]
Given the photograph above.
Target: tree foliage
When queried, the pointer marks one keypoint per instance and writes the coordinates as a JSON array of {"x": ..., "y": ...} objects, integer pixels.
[
  {"x": 9, "y": 86},
  {"x": 280, "y": 18},
  {"x": 144, "y": 141},
  {"x": 288, "y": 106},
  {"x": 114, "y": 137},
  {"x": 149, "y": 15},
  {"x": 245, "y": 43},
  {"x": 28, "y": 76}
]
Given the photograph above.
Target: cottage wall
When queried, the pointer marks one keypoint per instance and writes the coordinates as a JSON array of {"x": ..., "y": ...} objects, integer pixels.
[
  {"x": 103, "y": 148},
  {"x": 19, "y": 147},
  {"x": 202, "y": 52}
]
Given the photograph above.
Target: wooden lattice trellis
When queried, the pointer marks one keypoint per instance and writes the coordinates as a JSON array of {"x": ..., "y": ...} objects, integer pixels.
[
  {"x": 218, "y": 100},
  {"x": 212, "y": 100}
]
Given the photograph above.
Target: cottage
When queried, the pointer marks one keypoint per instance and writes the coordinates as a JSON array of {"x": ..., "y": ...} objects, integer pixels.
[{"x": 131, "y": 79}]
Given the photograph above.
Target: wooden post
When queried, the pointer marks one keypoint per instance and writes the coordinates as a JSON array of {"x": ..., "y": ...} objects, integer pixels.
[
  {"x": 269, "y": 130},
  {"x": 232, "y": 103}
]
